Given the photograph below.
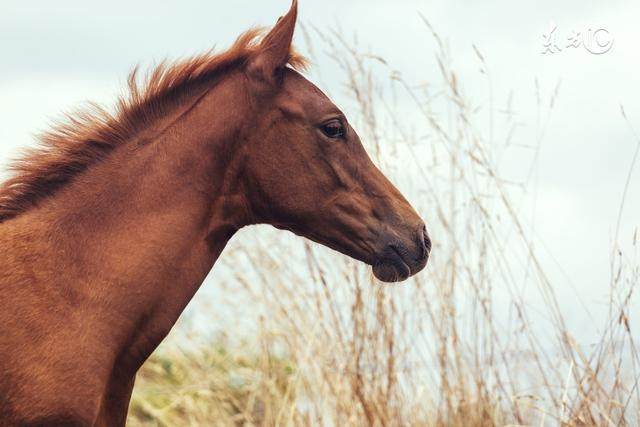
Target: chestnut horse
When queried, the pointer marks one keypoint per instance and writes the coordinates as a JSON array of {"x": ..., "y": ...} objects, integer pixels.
[{"x": 108, "y": 230}]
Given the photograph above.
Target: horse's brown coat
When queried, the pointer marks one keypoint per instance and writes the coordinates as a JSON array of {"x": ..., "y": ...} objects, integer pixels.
[{"x": 107, "y": 233}]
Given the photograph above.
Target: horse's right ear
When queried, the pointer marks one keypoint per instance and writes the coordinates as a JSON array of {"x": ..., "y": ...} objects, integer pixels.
[{"x": 274, "y": 51}]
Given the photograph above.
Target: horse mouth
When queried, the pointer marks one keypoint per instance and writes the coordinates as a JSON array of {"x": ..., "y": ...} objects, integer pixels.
[{"x": 391, "y": 268}]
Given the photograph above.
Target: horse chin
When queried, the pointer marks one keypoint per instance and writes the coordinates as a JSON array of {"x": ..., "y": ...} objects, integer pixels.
[{"x": 391, "y": 272}]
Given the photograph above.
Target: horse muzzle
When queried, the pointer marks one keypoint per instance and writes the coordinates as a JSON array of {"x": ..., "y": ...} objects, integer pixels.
[{"x": 398, "y": 260}]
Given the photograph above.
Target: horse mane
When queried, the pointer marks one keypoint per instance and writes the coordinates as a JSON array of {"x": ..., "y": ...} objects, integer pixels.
[{"x": 87, "y": 136}]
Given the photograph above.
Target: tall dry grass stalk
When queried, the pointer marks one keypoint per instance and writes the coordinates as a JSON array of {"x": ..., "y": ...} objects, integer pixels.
[{"x": 480, "y": 339}]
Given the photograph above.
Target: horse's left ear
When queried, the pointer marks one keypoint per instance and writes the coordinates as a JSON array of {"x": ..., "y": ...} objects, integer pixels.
[{"x": 272, "y": 55}]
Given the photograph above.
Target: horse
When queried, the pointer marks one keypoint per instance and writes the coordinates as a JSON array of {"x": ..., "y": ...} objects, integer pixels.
[{"x": 110, "y": 226}]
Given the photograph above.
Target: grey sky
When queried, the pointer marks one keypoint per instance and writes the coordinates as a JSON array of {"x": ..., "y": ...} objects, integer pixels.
[{"x": 57, "y": 54}]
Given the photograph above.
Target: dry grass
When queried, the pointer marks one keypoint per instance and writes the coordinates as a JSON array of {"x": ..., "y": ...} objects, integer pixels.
[{"x": 479, "y": 339}]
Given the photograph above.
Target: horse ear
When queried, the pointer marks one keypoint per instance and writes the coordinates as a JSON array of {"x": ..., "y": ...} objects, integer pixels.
[{"x": 274, "y": 51}]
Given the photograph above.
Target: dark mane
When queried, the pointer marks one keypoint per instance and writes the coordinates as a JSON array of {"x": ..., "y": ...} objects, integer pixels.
[{"x": 89, "y": 135}]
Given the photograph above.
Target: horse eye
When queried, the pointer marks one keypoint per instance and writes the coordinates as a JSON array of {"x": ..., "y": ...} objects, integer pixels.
[{"x": 333, "y": 129}]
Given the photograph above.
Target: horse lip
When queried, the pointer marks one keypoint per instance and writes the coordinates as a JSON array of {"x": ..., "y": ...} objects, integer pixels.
[
  {"x": 392, "y": 257},
  {"x": 394, "y": 248},
  {"x": 414, "y": 265},
  {"x": 399, "y": 259}
]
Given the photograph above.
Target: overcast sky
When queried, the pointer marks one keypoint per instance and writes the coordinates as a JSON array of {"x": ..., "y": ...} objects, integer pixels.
[{"x": 57, "y": 54}]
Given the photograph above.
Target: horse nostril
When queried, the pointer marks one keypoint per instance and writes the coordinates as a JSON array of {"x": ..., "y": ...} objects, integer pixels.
[{"x": 425, "y": 242}]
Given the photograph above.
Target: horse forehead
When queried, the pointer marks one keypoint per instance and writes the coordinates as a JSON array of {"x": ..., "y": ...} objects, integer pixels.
[{"x": 297, "y": 87}]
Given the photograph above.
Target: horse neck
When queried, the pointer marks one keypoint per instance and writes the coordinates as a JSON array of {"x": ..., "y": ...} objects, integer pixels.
[{"x": 140, "y": 231}]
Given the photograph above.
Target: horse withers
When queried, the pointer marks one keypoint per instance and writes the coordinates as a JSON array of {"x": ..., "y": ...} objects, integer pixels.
[{"x": 107, "y": 231}]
